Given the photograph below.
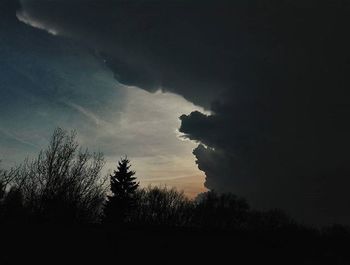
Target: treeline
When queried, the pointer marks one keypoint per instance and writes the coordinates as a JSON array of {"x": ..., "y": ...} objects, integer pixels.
[
  {"x": 59, "y": 208},
  {"x": 64, "y": 185}
]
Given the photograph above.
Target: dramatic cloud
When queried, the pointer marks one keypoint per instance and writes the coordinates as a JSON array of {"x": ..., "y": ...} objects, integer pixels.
[
  {"x": 179, "y": 46},
  {"x": 280, "y": 137},
  {"x": 48, "y": 81},
  {"x": 276, "y": 73}
]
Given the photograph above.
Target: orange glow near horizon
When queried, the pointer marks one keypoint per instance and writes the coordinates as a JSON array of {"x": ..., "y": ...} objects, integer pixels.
[{"x": 191, "y": 185}]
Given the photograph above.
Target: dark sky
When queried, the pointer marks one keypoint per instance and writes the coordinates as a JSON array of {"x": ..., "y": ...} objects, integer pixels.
[{"x": 273, "y": 74}]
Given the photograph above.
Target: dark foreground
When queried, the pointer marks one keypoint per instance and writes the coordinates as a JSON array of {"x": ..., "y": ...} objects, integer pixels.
[{"x": 95, "y": 244}]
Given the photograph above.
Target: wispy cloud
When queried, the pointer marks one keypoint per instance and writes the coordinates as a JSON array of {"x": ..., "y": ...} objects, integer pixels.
[
  {"x": 87, "y": 113},
  {"x": 17, "y": 138}
]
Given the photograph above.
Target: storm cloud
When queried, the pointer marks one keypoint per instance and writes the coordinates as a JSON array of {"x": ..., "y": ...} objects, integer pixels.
[
  {"x": 275, "y": 75},
  {"x": 178, "y": 46}
]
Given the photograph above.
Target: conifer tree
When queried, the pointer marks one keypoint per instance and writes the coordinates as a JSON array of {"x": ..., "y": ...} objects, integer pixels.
[{"x": 123, "y": 187}]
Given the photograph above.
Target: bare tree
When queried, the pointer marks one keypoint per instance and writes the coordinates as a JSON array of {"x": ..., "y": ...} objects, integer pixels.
[
  {"x": 162, "y": 206},
  {"x": 64, "y": 182},
  {"x": 221, "y": 210}
]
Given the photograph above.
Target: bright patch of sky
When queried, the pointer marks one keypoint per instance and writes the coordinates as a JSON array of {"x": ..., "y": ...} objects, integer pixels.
[{"x": 47, "y": 81}]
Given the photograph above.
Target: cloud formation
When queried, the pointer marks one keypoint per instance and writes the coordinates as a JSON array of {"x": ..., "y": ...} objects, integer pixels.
[
  {"x": 273, "y": 73},
  {"x": 280, "y": 136},
  {"x": 139, "y": 39},
  {"x": 48, "y": 81}
]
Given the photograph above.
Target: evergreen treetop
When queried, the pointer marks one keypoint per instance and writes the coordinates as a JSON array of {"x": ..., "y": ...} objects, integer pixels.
[{"x": 123, "y": 182}]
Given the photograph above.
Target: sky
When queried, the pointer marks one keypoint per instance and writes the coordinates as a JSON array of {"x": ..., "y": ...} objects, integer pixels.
[
  {"x": 49, "y": 81},
  {"x": 249, "y": 97}
]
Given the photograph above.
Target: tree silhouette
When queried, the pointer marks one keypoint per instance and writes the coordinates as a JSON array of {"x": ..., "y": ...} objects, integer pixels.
[
  {"x": 220, "y": 211},
  {"x": 13, "y": 208},
  {"x": 63, "y": 184},
  {"x": 123, "y": 187},
  {"x": 162, "y": 206}
]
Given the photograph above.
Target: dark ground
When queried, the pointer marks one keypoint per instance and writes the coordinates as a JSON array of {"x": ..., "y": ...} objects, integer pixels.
[{"x": 95, "y": 244}]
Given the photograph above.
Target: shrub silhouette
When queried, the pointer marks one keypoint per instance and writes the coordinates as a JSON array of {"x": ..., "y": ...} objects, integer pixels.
[
  {"x": 63, "y": 184},
  {"x": 222, "y": 211},
  {"x": 6, "y": 178},
  {"x": 123, "y": 187},
  {"x": 160, "y": 206},
  {"x": 270, "y": 220},
  {"x": 13, "y": 209}
]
